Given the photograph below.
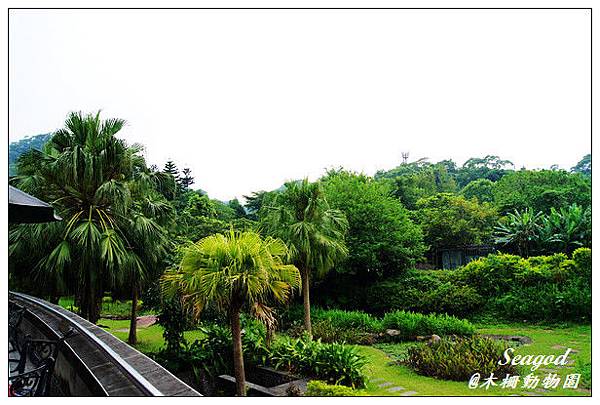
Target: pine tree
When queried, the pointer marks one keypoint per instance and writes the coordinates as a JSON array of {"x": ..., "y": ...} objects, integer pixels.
[
  {"x": 186, "y": 180},
  {"x": 171, "y": 168}
]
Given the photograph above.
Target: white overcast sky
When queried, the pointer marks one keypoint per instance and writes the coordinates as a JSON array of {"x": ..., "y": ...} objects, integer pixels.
[{"x": 249, "y": 99}]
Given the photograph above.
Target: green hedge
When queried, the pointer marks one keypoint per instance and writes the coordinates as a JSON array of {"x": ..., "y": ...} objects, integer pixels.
[
  {"x": 341, "y": 319},
  {"x": 357, "y": 327},
  {"x": 425, "y": 292},
  {"x": 540, "y": 288},
  {"x": 412, "y": 324}
]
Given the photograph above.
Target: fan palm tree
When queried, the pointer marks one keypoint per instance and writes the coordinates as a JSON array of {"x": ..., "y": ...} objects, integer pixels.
[
  {"x": 314, "y": 232},
  {"x": 100, "y": 186},
  {"x": 147, "y": 244},
  {"x": 236, "y": 271}
]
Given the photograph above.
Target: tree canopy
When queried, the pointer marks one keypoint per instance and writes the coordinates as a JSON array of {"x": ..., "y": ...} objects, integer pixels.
[
  {"x": 540, "y": 190},
  {"x": 381, "y": 240},
  {"x": 449, "y": 220}
]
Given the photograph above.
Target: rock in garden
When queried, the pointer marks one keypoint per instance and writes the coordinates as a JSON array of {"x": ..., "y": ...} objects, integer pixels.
[{"x": 392, "y": 332}]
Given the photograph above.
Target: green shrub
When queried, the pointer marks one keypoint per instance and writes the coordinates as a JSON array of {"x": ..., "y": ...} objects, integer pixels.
[
  {"x": 326, "y": 331},
  {"x": 335, "y": 363},
  {"x": 254, "y": 342},
  {"x": 424, "y": 292},
  {"x": 404, "y": 292},
  {"x": 341, "y": 319},
  {"x": 493, "y": 274},
  {"x": 556, "y": 268},
  {"x": 213, "y": 353},
  {"x": 173, "y": 321},
  {"x": 458, "y": 360},
  {"x": 317, "y": 388},
  {"x": 583, "y": 263},
  {"x": 291, "y": 316},
  {"x": 571, "y": 301},
  {"x": 449, "y": 298},
  {"x": 412, "y": 324},
  {"x": 333, "y": 325}
]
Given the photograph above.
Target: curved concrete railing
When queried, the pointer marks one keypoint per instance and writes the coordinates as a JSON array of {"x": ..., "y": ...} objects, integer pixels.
[{"x": 94, "y": 362}]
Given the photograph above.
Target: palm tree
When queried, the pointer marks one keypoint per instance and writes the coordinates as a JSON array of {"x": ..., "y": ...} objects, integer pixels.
[
  {"x": 236, "y": 271},
  {"x": 100, "y": 186},
  {"x": 520, "y": 229},
  {"x": 314, "y": 232}
]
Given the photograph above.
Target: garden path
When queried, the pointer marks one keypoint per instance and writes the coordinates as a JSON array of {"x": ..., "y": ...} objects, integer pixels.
[{"x": 143, "y": 321}]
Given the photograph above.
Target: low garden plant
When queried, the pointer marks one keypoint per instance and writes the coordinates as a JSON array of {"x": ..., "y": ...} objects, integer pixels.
[
  {"x": 333, "y": 362},
  {"x": 411, "y": 324},
  {"x": 341, "y": 319},
  {"x": 316, "y": 388},
  {"x": 459, "y": 359},
  {"x": 327, "y": 332}
]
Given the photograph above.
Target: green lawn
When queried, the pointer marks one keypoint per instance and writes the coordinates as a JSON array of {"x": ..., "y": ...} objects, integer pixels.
[
  {"x": 545, "y": 341},
  {"x": 381, "y": 356},
  {"x": 150, "y": 339},
  {"x": 118, "y": 308}
]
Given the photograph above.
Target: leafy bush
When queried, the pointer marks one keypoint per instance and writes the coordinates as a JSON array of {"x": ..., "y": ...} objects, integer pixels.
[
  {"x": 173, "y": 320},
  {"x": 341, "y": 319},
  {"x": 492, "y": 275},
  {"x": 333, "y": 325},
  {"x": 254, "y": 342},
  {"x": 458, "y": 360},
  {"x": 317, "y": 388},
  {"x": 213, "y": 353},
  {"x": 538, "y": 288},
  {"x": 449, "y": 298},
  {"x": 412, "y": 324},
  {"x": 291, "y": 316},
  {"x": 326, "y": 331},
  {"x": 335, "y": 363},
  {"x": 404, "y": 292},
  {"x": 583, "y": 263},
  {"x": 425, "y": 292},
  {"x": 571, "y": 301}
]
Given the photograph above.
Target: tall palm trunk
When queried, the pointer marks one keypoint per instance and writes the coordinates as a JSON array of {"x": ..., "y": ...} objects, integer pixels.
[
  {"x": 90, "y": 302},
  {"x": 306, "y": 300},
  {"x": 238, "y": 356},
  {"x": 132, "y": 339}
]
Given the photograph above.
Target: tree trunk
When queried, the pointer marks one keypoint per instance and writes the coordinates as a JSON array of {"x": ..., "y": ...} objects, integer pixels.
[
  {"x": 54, "y": 295},
  {"x": 90, "y": 301},
  {"x": 238, "y": 356},
  {"x": 306, "y": 300},
  {"x": 132, "y": 339}
]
